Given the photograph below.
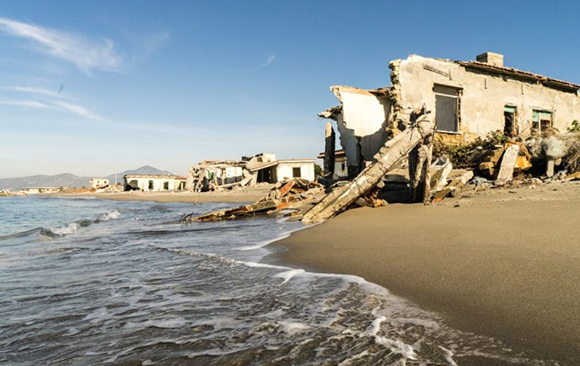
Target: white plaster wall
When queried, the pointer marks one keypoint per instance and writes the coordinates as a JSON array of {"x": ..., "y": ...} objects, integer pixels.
[
  {"x": 284, "y": 171},
  {"x": 348, "y": 141},
  {"x": 158, "y": 184},
  {"x": 233, "y": 174},
  {"x": 99, "y": 182},
  {"x": 339, "y": 171},
  {"x": 364, "y": 118},
  {"x": 362, "y": 111},
  {"x": 484, "y": 96}
]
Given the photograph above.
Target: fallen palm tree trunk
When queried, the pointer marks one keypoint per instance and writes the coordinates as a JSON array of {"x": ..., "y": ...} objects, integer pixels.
[
  {"x": 293, "y": 194},
  {"x": 394, "y": 150}
]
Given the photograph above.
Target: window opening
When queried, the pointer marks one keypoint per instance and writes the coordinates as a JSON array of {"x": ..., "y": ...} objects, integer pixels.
[
  {"x": 509, "y": 114},
  {"x": 541, "y": 121},
  {"x": 446, "y": 108},
  {"x": 296, "y": 172}
]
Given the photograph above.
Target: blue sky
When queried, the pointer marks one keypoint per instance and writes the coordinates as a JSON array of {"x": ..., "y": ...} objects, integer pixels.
[{"x": 94, "y": 87}]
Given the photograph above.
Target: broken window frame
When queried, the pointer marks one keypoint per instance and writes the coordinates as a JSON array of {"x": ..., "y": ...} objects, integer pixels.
[
  {"x": 452, "y": 92},
  {"x": 542, "y": 119},
  {"x": 513, "y": 110}
]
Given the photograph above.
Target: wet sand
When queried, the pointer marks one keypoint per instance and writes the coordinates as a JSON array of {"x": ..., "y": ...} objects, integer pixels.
[
  {"x": 502, "y": 263},
  {"x": 234, "y": 196}
]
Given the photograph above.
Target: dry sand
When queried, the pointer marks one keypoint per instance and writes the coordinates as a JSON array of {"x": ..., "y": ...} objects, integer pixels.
[
  {"x": 504, "y": 263},
  {"x": 250, "y": 194}
]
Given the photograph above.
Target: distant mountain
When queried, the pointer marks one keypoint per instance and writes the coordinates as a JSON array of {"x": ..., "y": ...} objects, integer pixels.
[
  {"x": 60, "y": 180},
  {"x": 70, "y": 180},
  {"x": 146, "y": 169}
]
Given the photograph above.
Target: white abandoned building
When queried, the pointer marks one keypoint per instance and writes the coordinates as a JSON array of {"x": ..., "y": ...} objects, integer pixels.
[
  {"x": 466, "y": 99},
  {"x": 340, "y": 168},
  {"x": 262, "y": 168},
  {"x": 39, "y": 190},
  {"x": 151, "y": 182},
  {"x": 98, "y": 182}
]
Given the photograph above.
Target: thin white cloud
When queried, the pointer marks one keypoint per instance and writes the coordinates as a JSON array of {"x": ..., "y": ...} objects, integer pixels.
[
  {"x": 34, "y": 90},
  {"x": 268, "y": 62},
  {"x": 56, "y": 105},
  {"x": 86, "y": 54},
  {"x": 75, "y": 108},
  {"x": 26, "y": 103}
]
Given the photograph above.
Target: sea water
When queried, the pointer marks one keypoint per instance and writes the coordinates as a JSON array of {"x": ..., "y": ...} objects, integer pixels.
[{"x": 96, "y": 282}]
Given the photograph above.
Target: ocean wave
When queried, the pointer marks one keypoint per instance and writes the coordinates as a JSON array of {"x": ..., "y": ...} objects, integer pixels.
[
  {"x": 21, "y": 234},
  {"x": 73, "y": 227},
  {"x": 60, "y": 231},
  {"x": 111, "y": 215}
]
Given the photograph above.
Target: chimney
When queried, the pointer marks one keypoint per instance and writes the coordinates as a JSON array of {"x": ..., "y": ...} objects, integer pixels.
[{"x": 491, "y": 58}]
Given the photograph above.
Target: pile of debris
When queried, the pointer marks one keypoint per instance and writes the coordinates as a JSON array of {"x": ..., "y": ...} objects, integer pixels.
[
  {"x": 293, "y": 197},
  {"x": 493, "y": 161},
  {"x": 498, "y": 161},
  {"x": 109, "y": 188},
  {"x": 415, "y": 142},
  {"x": 210, "y": 175},
  {"x": 9, "y": 193}
]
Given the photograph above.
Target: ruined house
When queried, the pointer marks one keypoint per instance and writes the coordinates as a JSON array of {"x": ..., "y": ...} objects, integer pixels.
[
  {"x": 98, "y": 182},
  {"x": 39, "y": 190},
  {"x": 466, "y": 99},
  {"x": 270, "y": 170},
  {"x": 153, "y": 182},
  {"x": 261, "y": 168}
]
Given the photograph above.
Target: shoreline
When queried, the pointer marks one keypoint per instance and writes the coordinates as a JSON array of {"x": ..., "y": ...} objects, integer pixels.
[
  {"x": 500, "y": 263},
  {"x": 233, "y": 196}
]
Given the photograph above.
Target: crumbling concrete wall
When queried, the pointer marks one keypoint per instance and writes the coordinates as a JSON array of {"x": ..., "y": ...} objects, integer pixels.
[
  {"x": 361, "y": 123},
  {"x": 483, "y": 96},
  {"x": 367, "y": 118}
]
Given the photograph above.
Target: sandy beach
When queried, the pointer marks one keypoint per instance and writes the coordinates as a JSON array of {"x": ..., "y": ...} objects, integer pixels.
[
  {"x": 503, "y": 263},
  {"x": 249, "y": 194}
]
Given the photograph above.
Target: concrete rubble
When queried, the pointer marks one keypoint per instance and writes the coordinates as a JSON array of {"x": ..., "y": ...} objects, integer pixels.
[
  {"x": 219, "y": 175},
  {"x": 508, "y": 162},
  {"x": 294, "y": 197},
  {"x": 393, "y": 151}
]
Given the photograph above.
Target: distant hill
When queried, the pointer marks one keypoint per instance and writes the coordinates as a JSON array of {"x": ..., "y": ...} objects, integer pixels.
[
  {"x": 69, "y": 180},
  {"x": 146, "y": 169}
]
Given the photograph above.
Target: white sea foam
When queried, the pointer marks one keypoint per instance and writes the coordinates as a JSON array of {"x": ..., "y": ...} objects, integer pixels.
[
  {"x": 293, "y": 327},
  {"x": 164, "y": 323},
  {"x": 111, "y": 215},
  {"x": 448, "y": 356},
  {"x": 262, "y": 265},
  {"x": 66, "y": 229},
  {"x": 349, "y": 360},
  {"x": 265, "y": 242},
  {"x": 289, "y": 274}
]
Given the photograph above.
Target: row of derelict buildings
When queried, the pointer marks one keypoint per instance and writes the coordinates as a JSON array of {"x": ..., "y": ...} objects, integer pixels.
[
  {"x": 467, "y": 99},
  {"x": 211, "y": 175}
]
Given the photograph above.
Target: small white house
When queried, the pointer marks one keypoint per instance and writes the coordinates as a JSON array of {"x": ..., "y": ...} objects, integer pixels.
[
  {"x": 150, "y": 182},
  {"x": 266, "y": 168},
  {"x": 340, "y": 167},
  {"x": 39, "y": 190},
  {"x": 295, "y": 168},
  {"x": 98, "y": 182}
]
